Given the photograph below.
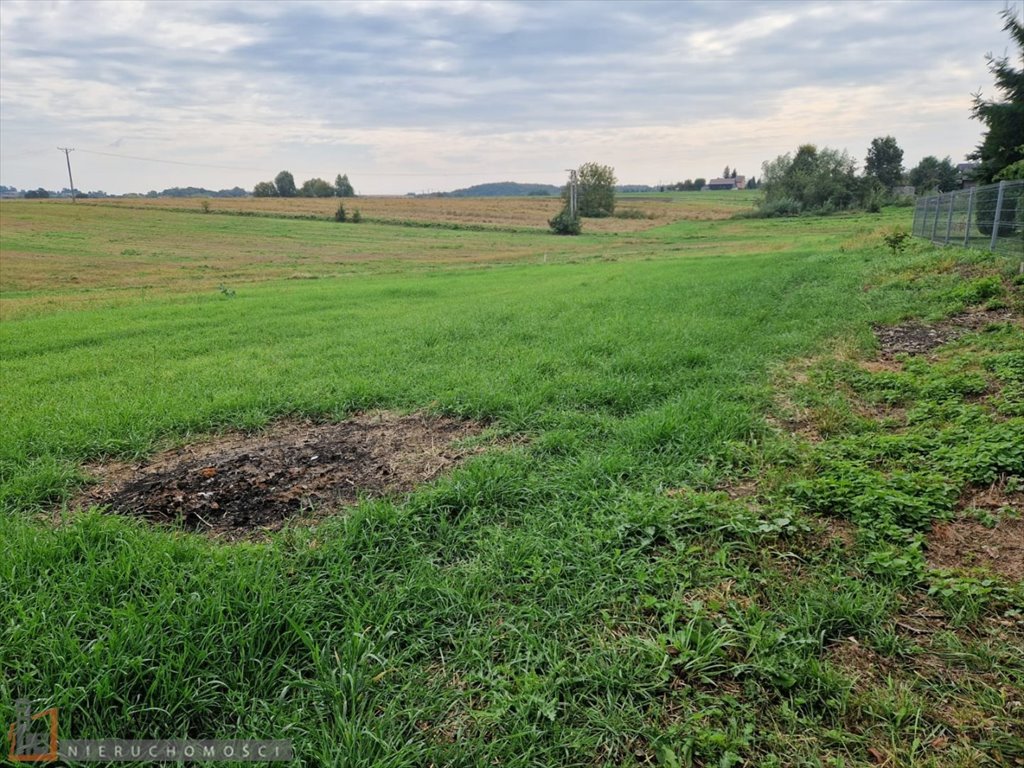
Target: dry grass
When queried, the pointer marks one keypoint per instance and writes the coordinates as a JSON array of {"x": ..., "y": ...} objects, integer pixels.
[
  {"x": 57, "y": 256},
  {"x": 500, "y": 212}
]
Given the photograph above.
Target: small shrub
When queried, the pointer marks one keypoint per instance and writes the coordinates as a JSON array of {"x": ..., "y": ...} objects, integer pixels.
[
  {"x": 340, "y": 215},
  {"x": 357, "y": 217},
  {"x": 785, "y": 206},
  {"x": 564, "y": 224},
  {"x": 205, "y": 206},
  {"x": 896, "y": 240}
]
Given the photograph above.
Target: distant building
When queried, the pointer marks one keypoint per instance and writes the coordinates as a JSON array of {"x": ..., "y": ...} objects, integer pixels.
[
  {"x": 966, "y": 173},
  {"x": 737, "y": 182}
]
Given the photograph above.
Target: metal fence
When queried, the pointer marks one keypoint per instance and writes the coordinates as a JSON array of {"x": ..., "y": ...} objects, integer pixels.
[{"x": 989, "y": 217}]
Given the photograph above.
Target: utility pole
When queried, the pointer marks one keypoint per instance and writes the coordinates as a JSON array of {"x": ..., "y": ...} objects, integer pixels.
[
  {"x": 573, "y": 197},
  {"x": 67, "y": 156}
]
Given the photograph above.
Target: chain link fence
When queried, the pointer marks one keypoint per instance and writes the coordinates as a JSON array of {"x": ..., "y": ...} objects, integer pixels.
[{"x": 989, "y": 217}]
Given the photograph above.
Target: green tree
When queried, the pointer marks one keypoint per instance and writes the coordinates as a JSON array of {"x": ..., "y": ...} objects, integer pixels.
[
  {"x": 316, "y": 187},
  {"x": 699, "y": 183},
  {"x": 596, "y": 190},
  {"x": 284, "y": 182},
  {"x": 812, "y": 180},
  {"x": 885, "y": 161},
  {"x": 343, "y": 187},
  {"x": 1003, "y": 143},
  {"x": 934, "y": 174},
  {"x": 1012, "y": 172},
  {"x": 264, "y": 189}
]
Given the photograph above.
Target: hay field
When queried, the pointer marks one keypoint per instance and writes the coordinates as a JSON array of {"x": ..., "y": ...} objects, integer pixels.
[{"x": 496, "y": 212}]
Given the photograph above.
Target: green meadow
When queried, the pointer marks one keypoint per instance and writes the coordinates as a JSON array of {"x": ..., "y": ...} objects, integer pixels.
[{"x": 642, "y": 568}]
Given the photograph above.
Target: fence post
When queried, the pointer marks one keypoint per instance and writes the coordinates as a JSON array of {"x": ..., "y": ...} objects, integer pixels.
[
  {"x": 949, "y": 221},
  {"x": 998, "y": 217},
  {"x": 935, "y": 224},
  {"x": 967, "y": 227}
]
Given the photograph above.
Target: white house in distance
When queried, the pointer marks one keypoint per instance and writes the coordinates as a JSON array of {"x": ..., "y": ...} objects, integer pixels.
[{"x": 737, "y": 182}]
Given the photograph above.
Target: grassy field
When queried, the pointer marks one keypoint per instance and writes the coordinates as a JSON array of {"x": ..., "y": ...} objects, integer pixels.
[
  {"x": 57, "y": 256},
  {"x": 704, "y": 536},
  {"x": 485, "y": 212}
]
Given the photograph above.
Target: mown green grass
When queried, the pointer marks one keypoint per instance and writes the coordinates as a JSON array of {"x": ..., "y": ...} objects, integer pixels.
[{"x": 580, "y": 598}]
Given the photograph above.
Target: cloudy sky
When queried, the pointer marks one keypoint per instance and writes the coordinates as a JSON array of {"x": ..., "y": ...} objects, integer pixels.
[{"x": 419, "y": 96}]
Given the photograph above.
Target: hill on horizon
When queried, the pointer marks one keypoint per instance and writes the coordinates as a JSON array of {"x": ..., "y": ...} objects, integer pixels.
[
  {"x": 501, "y": 189},
  {"x": 517, "y": 189}
]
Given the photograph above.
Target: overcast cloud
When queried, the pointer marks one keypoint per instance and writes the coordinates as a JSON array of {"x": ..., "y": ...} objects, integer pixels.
[{"x": 414, "y": 96}]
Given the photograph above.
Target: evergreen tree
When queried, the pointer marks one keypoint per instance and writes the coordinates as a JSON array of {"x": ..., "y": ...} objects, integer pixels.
[{"x": 1003, "y": 144}]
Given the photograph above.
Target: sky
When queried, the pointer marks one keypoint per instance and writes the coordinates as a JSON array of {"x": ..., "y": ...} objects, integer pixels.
[{"x": 432, "y": 96}]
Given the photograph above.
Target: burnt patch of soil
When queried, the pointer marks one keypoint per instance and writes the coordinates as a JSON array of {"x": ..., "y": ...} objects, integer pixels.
[
  {"x": 965, "y": 543},
  {"x": 238, "y": 483},
  {"x": 915, "y": 338}
]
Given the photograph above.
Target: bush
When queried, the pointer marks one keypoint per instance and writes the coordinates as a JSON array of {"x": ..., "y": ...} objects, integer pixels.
[
  {"x": 871, "y": 195},
  {"x": 1011, "y": 215},
  {"x": 896, "y": 240},
  {"x": 564, "y": 224},
  {"x": 357, "y": 217},
  {"x": 784, "y": 206},
  {"x": 340, "y": 215}
]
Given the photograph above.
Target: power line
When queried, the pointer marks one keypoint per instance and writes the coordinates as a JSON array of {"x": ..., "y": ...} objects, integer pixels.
[
  {"x": 363, "y": 171},
  {"x": 172, "y": 162}
]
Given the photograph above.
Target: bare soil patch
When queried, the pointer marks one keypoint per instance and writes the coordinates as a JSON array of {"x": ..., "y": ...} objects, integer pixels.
[
  {"x": 240, "y": 482},
  {"x": 997, "y": 496},
  {"x": 915, "y": 338},
  {"x": 838, "y": 531},
  {"x": 967, "y": 543},
  {"x": 867, "y": 668}
]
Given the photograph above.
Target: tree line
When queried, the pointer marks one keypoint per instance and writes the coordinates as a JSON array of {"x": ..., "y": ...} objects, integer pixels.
[
  {"x": 283, "y": 185},
  {"x": 823, "y": 180}
]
